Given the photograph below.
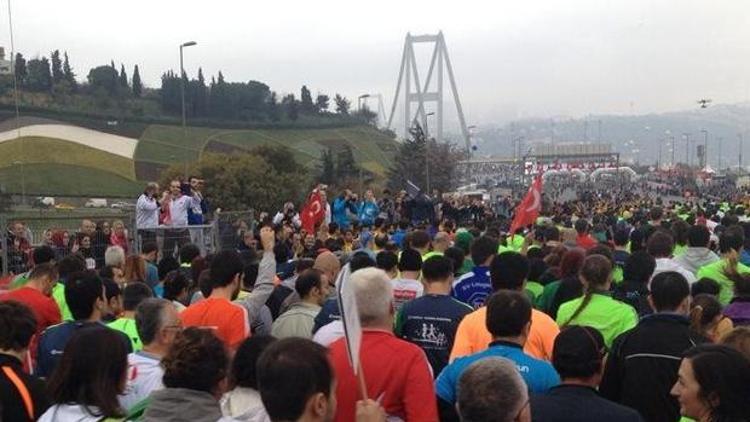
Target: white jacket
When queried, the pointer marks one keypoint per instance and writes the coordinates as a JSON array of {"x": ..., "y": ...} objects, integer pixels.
[
  {"x": 668, "y": 264},
  {"x": 69, "y": 413},
  {"x": 244, "y": 404}
]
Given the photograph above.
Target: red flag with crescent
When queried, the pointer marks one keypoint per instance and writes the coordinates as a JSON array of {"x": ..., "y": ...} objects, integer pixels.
[
  {"x": 313, "y": 212},
  {"x": 528, "y": 210}
]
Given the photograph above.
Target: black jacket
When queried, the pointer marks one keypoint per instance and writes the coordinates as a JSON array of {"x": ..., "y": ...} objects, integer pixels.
[
  {"x": 578, "y": 403},
  {"x": 642, "y": 365},
  {"x": 12, "y": 407}
]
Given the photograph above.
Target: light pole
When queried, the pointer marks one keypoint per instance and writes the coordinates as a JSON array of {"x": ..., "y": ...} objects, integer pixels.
[
  {"x": 739, "y": 135},
  {"x": 718, "y": 159},
  {"x": 23, "y": 181},
  {"x": 427, "y": 158},
  {"x": 182, "y": 92},
  {"x": 686, "y": 136},
  {"x": 705, "y": 147}
]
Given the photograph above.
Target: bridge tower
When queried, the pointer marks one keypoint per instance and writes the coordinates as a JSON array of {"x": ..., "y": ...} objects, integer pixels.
[{"x": 415, "y": 92}]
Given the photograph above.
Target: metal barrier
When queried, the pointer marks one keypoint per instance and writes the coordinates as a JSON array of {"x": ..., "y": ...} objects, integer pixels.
[
  {"x": 231, "y": 226},
  {"x": 220, "y": 234}
]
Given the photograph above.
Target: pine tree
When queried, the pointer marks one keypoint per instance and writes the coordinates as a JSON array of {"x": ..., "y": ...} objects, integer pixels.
[
  {"x": 346, "y": 165},
  {"x": 220, "y": 79},
  {"x": 137, "y": 85},
  {"x": 123, "y": 79},
  {"x": 273, "y": 108},
  {"x": 68, "y": 74},
  {"x": 20, "y": 69},
  {"x": 57, "y": 70},
  {"x": 342, "y": 104},
  {"x": 306, "y": 102},
  {"x": 328, "y": 167}
]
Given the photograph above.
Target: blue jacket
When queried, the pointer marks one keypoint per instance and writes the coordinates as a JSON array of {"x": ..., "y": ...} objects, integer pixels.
[
  {"x": 539, "y": 375},
  {"x": 53, "y": 340},
  {"x": 368, "y": 211},
  {"x": 339, "y": 212}
]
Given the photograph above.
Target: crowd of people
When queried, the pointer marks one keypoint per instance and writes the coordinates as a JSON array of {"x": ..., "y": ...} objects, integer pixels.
[{"x": 615, "y": 307}]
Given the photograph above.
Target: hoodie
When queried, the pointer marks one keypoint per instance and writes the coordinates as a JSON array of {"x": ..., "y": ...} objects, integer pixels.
[
  {"x": 668, "y": 264},
  {"x": 244, "y": 405},
  {"x": 696, "y": 257},
  {"x": 183, "y": 405}
]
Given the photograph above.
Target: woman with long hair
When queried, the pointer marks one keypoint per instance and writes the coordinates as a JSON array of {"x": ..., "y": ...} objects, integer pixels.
[
  {"x": 91, "y": 374},
  {"x": 119, "y": 236},
  {"x": 135, "y": 269},
  {"x": 570, "y": 265},
  {"x": 243, "y": 401},
  {"x": 713, "y": 384},
  {"x": 706, "y": 317},
  {"x": 596, "y": 308}
]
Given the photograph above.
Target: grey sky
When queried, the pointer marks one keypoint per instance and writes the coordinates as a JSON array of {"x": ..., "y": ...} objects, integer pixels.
[{"x": 511, "y": 58}]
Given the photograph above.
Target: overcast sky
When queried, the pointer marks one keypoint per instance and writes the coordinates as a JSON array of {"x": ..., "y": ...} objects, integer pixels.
[{"x": 511, "y": 59}]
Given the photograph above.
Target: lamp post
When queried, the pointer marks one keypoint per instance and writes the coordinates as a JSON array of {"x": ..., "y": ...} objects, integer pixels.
[
  {"x": 182, "y": 94},
  {"x": 739, "y": 135},
  {"x": 705, "y": 147},
  {"x": 686, "y": 136},
  {"x": 427, "y": 158}
]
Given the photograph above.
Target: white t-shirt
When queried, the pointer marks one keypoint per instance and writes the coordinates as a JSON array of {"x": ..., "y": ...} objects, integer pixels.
[
  {"x": 404, "y": 290},
  {"x": 144, "y": 376},
  {"x": 329, "y": 333},
  {"x": 178, "y": 210},
  {"x": 69, "y": 412}
]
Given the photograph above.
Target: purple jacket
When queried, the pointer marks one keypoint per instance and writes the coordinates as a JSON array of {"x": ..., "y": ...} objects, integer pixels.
[{"x": 738, "y": 311}]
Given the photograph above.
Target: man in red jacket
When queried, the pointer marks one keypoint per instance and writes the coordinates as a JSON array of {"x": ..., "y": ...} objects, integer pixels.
[{"x": 396, "y": 372}]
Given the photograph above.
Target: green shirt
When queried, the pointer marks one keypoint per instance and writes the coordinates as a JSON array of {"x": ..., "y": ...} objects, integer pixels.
[
  {"x": 545, "y": 299},
  {"x": 430, "y": 254},
  {"x": 467, "y": 266},
  {"x": 611, "y": 317},
  {"x": 715, "y": 271},
  {"x": 19, "y": 281},
  {"x": 535, "y": 289},
  {"x": 127, "y": 326},
  {"x": 58, "y": 293},
  {"x": 679, "y": 250},
  {"x": 617, "y": 276}
]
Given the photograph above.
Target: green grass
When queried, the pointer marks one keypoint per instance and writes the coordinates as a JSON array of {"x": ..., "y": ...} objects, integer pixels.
[
  {"x": 37, "y": 150},
  {"x": 67, "y": 180}
]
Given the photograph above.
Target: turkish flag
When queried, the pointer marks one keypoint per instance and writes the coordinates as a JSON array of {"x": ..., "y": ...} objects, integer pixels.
[
  {"x": 313, "y": 212},
  {"x": 528, "y": 210}
]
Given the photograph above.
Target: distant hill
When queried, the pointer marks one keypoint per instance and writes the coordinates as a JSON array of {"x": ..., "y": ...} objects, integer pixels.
[
  {"x": 725, "y": 121},
  {"x": 67, "y": 154}
]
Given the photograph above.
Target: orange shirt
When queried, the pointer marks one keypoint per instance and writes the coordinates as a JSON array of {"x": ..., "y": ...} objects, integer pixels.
[
  {"x": 472, "y": 335},
  {"x": 229, "y": 320}
]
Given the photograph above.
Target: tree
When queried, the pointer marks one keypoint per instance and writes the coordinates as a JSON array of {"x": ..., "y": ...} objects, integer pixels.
[
  {"x": 242, "y": 181},
  {"x": 291, "y": 107},
  {"x": 342, "y": 104},
  {"x": 321, "y": 103},
  {"x": 104, "y": 78},
  {"x": 137, "y": 85},
  {"x": 57, "y": 70},
  {"x": 409, "y": 162},
  {"x": 367, "y": 116},
  {"x": 346, "y": 166},
  {"x": 306, "y": 102},
  {"x": 39, "y": 77},
  {"x": 124, "y": 87},
  {"x": 68, "y": 74},
  {"x": 327, "y": 167},
  {"x": 274, "y": 113},
  {"x": 20, "y": 69}
]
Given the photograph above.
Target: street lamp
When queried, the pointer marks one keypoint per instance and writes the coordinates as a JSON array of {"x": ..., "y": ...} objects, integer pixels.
[
  {"x": 739, "y": 135},
  {"x": 705, "y": 147},
  {"x": 182, "y": 92},
  {"x": 427, "y": 157}
]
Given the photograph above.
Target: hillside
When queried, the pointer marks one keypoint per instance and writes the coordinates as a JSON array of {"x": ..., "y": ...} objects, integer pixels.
[
  {"x": 644, "y": 133},
  {"x": 75, "y": 155}
]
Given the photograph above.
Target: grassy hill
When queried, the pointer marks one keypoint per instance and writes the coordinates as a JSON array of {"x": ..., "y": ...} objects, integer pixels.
[{"x": 62, "y": 168}]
